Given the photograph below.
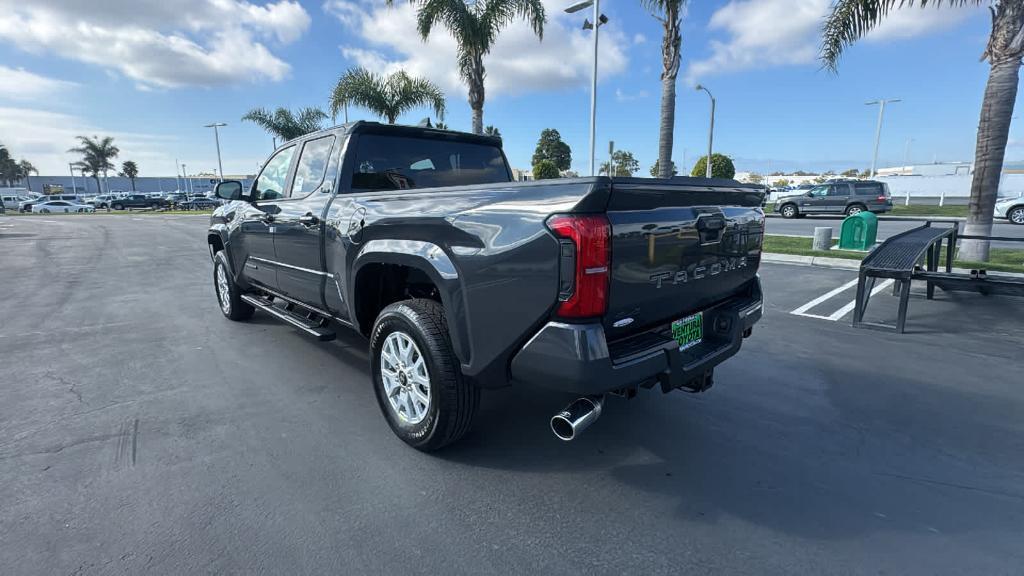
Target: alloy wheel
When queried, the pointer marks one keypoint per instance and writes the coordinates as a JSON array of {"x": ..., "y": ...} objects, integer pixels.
[
  {"x": 1017, "y": 216},
  {"x": 223, "y": 290},
  {"x": 403, "y": 371}
]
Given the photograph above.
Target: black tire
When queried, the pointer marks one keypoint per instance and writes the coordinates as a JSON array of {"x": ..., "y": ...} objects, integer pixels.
[
  {"x": 1016, "y": 215},
  {"x": 855, "y": 209},
  {"x": 789, "y": 211},
  {"x": 154, "y": 205},
  {"x": 453, "y": 401},
  {"x": 117, "y": 206},
  {"x": 236, "y": 309},
  {"x": 44, "y": 210}
]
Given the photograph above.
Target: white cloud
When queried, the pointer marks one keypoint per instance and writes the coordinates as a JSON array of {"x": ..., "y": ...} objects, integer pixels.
[
  {"x": 43, "y": 138},
  {"x": 765, "y": 33},
  {"x": 20, "y": 84},
  {"x": 623, "y": 96},
  {"x": 385, "y": 39},
  {"x": 160, "y": 43},
  {"x": 639, "y": 38}
]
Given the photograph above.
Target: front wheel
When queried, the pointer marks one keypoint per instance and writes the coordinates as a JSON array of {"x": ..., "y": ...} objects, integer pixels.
[
  {"x": 854, "y": 210},
  {"x": 416, "y": 376},
  {"x": 118, "y": 207},
  {"x": 44, "y": 211},
  {"x": 154, "y": 205},
  {"x": 228, "y": 295},
  {"x": 788, "y": 211},
  {"x": 1016, "y": 216}
]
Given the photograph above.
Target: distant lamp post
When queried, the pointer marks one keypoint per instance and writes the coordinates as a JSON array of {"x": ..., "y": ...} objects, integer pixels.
[
  {"x": 711, "y": 131},
  {"x": 74, "y": 187},
  {"x": 599, "y": 19},
  {"x": 878, "y": 129},
  {"x": 216, "y": 138}
]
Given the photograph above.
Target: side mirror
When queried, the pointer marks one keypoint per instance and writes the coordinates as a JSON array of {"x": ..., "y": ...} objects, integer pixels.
[
  {"x": 229, "y": 190},
  {"x": 809, "y": 194}
]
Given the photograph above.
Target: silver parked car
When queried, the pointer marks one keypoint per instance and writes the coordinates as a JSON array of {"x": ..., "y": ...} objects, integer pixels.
[{"x": 1011, "y": 208}]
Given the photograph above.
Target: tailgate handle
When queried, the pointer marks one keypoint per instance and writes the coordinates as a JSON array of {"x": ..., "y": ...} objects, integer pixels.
[{"x": 710, "y": 222}]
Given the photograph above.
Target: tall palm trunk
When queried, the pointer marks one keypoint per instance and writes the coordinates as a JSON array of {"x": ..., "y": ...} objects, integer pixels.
[
  {"x": 1004, "y": 52},
  {"x": 670, "y": 45},
  {"x": 475, "y": 79},
  {"x": 99, "y": 189}
]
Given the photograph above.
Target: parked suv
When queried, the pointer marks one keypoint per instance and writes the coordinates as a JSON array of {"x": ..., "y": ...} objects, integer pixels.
[
  {"x": 847, "y": 197},
  {"x": 26, "y": 205}
]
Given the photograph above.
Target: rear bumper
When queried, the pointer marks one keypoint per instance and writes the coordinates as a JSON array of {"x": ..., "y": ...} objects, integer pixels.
[{"x": 576, "y": 358}]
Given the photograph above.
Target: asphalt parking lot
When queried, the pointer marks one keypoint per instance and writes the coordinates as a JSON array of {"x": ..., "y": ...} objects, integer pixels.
[{"x": 141, "y": 432}]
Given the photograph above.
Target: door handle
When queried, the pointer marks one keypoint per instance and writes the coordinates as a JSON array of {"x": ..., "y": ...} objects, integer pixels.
[{"x": 309, "y": 220}]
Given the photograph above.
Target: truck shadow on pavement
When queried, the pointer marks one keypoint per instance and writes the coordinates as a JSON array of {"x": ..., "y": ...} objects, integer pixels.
[{"x": 824, "y": 458}]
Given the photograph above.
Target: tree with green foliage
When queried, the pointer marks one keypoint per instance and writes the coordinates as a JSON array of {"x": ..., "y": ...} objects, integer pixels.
[
  {"x": 656, "y": 170},
  {"x": 625, "y": 164},
  {"x": 25, "y": 171},
  {"x": 753, "y": 178},
  {"x": 8, "y": 167},
  {"x": 851, "y": 20},
  {"x": 441, "y": 126},
  {"x": 285, "y": 124},
  {"x": 851, "y": 173},
  {"x": 551, "y": 147},
  {"x": 388, "y": 96},
  {"x": 545, "y": 170},
  {"x": 721, "y": 166},
  {"x": 475, "y": 27},
  {"x": 782, "y": 183},
  {"x": 492, "y": 131},
  {"x": 670, "y": 14},
  {"x": 130, "y": 170},
  {"x": 97, "y": 156}
]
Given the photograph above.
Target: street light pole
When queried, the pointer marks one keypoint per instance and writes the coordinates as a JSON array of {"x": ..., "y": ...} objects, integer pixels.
[
  {"x": 598, "y": 21},
  {"x": 906, "y": 155},
  {"x": 74, "y": 187},
  {"x": 216, "y": 137},
  {"x": 878, "y": 129},
  {"x": 711, "y": 131},
  {"x": 177, "y": 175}
]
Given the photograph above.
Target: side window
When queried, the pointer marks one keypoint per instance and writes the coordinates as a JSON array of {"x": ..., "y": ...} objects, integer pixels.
[
  {"x": 309, "y": 173},
  {"x": 839, "y": 190},
  {"x": 270, "y": 183},
  {"x": 819, "y": 191},
  {"x": 868, "y": 189}
]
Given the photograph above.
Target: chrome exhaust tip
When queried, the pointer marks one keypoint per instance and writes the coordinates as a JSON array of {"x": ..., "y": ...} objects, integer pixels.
[{"x": 576, "y": 417}]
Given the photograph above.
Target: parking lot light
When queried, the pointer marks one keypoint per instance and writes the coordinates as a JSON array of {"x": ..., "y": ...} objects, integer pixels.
[{"x": 216, "y": 138}]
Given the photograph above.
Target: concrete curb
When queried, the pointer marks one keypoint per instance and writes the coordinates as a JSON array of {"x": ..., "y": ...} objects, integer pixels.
[{"x": 846, "y": 264}]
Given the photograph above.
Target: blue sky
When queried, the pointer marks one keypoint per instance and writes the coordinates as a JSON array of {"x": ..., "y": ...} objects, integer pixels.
[{"x": 151, "y": 73}]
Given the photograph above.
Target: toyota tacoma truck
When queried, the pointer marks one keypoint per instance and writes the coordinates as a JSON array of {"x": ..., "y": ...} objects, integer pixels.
[{"x": 463, "y": 280}]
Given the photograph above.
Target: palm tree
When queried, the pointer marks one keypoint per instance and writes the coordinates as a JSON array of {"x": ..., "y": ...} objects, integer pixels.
[
  {"x": 669, "y": 13},
  {"x": 130, "y": 170},
  {"x": 492, "y": 131},
  {"x": 25, "y": 170},
  {"x": 8, "y": 167},
  {"x": 285, "y": 124},
  {"x": 96, "y": 154},
  {"x": 475, "y": 27},
  {"x": 852, "y": 19},
  {"x": 388, "y": 96},
  {"x": 441, "y": 126}
]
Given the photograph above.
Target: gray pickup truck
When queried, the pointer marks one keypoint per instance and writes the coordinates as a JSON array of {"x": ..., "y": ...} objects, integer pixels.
[{"x": 463, "y": 279}]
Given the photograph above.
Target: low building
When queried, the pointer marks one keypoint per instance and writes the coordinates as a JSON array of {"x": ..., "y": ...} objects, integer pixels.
[{"x": 199, "y": 184}]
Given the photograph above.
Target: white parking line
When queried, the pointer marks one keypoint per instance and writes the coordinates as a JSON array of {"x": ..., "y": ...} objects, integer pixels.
[
  {"x": 853, "y": 303},
  {"x": 840, "y": 313},
  {"x": 800, "y": 311}
]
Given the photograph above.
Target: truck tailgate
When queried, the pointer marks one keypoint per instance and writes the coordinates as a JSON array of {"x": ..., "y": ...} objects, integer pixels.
[{"x": 678, "y": 248}]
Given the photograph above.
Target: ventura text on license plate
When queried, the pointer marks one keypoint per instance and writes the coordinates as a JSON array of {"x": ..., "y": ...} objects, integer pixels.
[{"x": 689, "y": 331}]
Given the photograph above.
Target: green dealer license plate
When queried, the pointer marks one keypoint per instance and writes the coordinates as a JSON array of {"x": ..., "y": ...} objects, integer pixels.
[{"x": 689, "y": 331}]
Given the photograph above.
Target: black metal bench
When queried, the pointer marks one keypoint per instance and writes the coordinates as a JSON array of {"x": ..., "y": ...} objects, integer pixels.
[{"x": 899, "y": 258}]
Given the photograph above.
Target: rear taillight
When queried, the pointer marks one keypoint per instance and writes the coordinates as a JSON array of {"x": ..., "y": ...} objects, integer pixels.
[
  {"x": 882, "y": 198},
  {"x": 585, "y": 242}
]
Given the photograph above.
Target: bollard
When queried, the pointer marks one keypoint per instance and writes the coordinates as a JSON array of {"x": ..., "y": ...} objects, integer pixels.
[
  {"x": 822, "y": 238},
  {"x": 906, "y": 201},
  {"x": 942, "y": 198}
]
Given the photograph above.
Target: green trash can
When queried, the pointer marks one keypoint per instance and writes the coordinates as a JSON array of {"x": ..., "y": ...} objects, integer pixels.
[{"x": 859, "y": 232}]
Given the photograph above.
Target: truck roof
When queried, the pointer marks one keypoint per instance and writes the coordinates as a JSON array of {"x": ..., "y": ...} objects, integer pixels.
[{"x": 363, "y": 126}]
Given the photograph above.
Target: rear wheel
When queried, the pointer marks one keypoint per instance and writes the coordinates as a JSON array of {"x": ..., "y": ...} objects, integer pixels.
[
  {"x": 228, "y": 295},
  {"x": 789, "y": 211},
  {"x": 1016, "y": 215},
  {"x": 117, "y": 206},
  {"x": 854, "y": 210},
  {"x": 44, "y": 211},
  {"x": 154, "y": 205},
  {"x": 416, "y": 376}
]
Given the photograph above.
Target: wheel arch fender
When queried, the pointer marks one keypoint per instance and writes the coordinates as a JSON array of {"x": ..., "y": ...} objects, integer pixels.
[{"x": 431, "y": 260}]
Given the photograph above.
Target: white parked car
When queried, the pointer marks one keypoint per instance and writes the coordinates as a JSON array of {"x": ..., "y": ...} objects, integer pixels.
[
  {"x": 1011, "y": 208},
  {"x": 60, "y": 206}
]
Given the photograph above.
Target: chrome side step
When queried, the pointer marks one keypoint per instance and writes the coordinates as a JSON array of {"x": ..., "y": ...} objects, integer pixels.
[{"x": 311, "y": 324}]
